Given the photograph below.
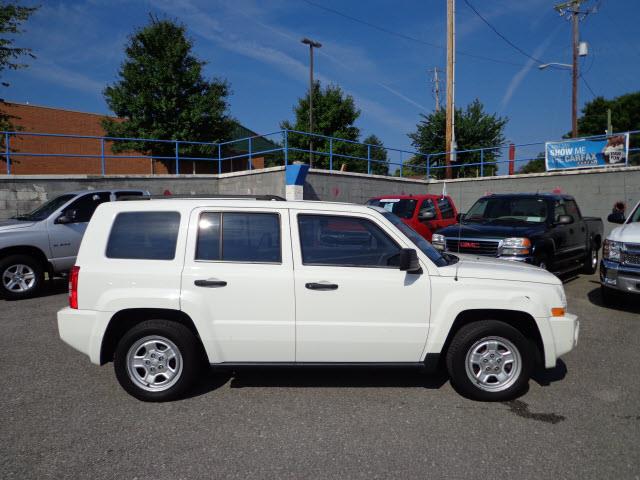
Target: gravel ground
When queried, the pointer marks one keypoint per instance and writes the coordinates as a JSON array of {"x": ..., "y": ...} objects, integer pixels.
[{"x": 63, "y": 417}]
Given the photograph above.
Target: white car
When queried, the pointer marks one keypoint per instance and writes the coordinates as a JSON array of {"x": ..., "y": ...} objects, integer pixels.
[
  {"x": 162, "y": 286},
  {"x": 620, "y": 265}
]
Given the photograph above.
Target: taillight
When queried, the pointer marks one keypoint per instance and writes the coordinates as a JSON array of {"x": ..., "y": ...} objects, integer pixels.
[{"x": 73, "y": 286}]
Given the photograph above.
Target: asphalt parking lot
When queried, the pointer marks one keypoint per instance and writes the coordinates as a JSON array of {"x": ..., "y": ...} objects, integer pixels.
[{"x": 63, "y": 417}]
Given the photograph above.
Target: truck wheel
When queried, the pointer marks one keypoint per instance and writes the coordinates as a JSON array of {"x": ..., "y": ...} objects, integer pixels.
[
  {"x": 489, "y": 360},
  {"x": 22, "y": 277},
  {"x": 542, "y": 261},
  {"x": 590, "y": 265},
  {"x": 157, "y": 360}
]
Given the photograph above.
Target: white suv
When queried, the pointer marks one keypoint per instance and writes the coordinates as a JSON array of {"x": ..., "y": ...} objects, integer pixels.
[{"x": 162, "y": 286}]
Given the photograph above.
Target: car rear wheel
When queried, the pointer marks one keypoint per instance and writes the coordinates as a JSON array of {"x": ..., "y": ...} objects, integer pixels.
[
  {"x": 157, "y": 360},
  {"x": 489, "y": 360},
  {"x": 22, "y": 276}
]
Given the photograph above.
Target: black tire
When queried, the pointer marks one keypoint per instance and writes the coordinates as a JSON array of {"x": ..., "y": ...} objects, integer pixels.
[
  {"x": 542, "y": 261},
  {"x": 610, "y": 298},
  {"x": 187, "y": 346},
  {"x": 466, "y": 339},
  {"x": 590, "y": 264},
  {"x": 8, "y": 266}
]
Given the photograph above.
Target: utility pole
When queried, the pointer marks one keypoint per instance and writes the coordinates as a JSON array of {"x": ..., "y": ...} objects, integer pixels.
[
  {"x": 571, "y": 11},
  {"x": 312, "y": 44},
  {"x": 574, "y": 70},
  {"x": 450, "y": 136},
  {"x": 435, "y": 89}
]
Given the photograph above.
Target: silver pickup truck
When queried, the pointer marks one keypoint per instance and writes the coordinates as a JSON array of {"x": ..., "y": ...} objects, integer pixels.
[{"x": 47, "y": 240}]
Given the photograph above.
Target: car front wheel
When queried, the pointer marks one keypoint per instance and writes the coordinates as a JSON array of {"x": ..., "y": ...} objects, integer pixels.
[
  {"x": 489, "y": 360},
  {"x": 157, "y": 360}
]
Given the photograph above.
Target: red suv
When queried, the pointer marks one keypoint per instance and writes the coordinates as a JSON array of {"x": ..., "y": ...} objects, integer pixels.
[{"x": 424, "y": 213}]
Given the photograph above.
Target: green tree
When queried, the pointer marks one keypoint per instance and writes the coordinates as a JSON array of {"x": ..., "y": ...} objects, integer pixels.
[
  {"x": 537, "y": 165},
  {"x": 474, "y": 129},
  {"x": 12, "y": 16},
  {"x": 161, "y": 94},
  {"x": 334, "y": 115},
  {"x": 625, "y": 116}
]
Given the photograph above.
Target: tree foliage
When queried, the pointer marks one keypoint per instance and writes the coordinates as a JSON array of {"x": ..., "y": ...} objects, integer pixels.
[
  {"x": 474, "y": 129},
  {"x": 537, "y": 165},
  {"x": 625, "y": 116},
  {"x": 161, "y": 94},
  {"x": 334, "y": 115},
  {"x": 12, "y": 16}
]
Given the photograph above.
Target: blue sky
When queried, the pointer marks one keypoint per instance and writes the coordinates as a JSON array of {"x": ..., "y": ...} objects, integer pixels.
[{"x": 256, "y": 46}]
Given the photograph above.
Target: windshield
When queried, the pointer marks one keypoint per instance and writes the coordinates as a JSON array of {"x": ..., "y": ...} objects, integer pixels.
[
  {"x": 425, "y": 247},
  {"x": 508, "y": 209},
  {"x": 43, "y": 211},
  {"x": 635, "y": 216},
  {"x": 402, "y": 207}
]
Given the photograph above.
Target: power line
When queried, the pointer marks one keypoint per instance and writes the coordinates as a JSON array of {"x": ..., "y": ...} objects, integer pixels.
[
  {"x": 509, "y": 42},
  {"x": 587, "y": 85},
  {"x": 408, "y": 37}
]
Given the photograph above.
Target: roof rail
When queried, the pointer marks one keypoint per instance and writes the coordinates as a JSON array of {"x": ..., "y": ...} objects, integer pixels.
[{"x": 203, "y": 196}]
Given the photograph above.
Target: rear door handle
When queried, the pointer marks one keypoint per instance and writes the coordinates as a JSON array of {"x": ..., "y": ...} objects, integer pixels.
[
  {"x": 321, "y": 286},
  {"x": 211, "y": 283}
]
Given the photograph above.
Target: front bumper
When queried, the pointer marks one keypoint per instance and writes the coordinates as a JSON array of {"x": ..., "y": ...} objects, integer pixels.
[
  {"x": 83, "y": 330},
  {"x": 565, "y": 332},
  {"x": 624, "y": 278}
]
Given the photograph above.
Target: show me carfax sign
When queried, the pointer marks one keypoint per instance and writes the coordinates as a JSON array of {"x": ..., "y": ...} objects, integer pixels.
[{"x": 605, "y": 151}]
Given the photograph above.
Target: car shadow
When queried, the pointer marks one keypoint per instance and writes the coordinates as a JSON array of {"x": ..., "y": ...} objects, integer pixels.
[
  {"x": 56, "y": 286},
  {"x": 545, "y": 377},
  {"x": 318, "y": 377},
  {"x": 625, "y": 303}
]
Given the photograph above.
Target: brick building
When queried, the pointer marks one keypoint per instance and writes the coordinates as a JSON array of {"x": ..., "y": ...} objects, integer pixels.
[{"x": 68, "y": 155}]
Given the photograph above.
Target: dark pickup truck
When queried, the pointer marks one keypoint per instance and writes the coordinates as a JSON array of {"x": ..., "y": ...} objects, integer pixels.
[{"x": 543, "y": 229}]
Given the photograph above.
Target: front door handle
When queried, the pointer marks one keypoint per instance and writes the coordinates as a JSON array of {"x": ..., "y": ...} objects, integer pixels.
[
  {"x": 211, "y": 283},
  {"x": 321, "y": 286}
]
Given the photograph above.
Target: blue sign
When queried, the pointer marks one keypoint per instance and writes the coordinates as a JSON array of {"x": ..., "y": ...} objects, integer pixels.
[{"x": 605, "y": 151}]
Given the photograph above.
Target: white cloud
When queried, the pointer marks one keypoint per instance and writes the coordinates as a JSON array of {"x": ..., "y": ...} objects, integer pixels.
[
  {"x": 52, "y": 72},
  {"x": 517, "y": 79}
]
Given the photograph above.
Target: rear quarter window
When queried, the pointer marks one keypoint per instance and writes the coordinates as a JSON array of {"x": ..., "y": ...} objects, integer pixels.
[{"x": 144, "y": 236}]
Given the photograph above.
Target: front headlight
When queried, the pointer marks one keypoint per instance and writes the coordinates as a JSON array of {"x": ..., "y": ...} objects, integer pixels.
[
  {"x": 438, "y": 241},
  {"x": 612, "y": 250},
  {"x": 515, "y": 246}
]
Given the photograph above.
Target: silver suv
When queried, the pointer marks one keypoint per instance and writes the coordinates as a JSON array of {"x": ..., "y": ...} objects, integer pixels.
[{"x": 47, "y": 240}]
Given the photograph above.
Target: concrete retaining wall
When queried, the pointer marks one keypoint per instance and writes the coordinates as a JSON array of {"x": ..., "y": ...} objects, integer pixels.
[
  {"x": 595, "y": 190},
  {"x": 21, "y": 194}
]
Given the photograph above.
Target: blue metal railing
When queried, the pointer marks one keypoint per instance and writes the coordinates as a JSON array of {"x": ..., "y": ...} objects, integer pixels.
[{"x": 281, "y": 148}]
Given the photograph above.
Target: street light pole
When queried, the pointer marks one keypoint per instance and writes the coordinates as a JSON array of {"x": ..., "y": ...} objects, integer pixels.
[
  {"x": 312, "y": 44},
  {"x": 574, "y": 72}
]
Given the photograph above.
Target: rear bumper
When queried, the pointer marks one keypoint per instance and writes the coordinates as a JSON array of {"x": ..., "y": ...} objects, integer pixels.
[
  {"x": 565, "y": 332},
  {"x": 83, "y": 330},
  {"x": 624, "y": 278}
]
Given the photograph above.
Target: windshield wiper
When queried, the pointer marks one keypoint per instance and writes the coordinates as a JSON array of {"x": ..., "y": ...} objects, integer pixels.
[{"x": 21, "y": 217}]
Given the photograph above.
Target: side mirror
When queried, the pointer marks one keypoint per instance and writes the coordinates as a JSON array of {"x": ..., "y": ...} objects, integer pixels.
[
  {"x": 409, "y": 261},
  {"x": 617, "y": 217},
  {"x": 459, "y": 217},
  {"x": 564, "y": 220},
  {"x": 426, "y": 215}
]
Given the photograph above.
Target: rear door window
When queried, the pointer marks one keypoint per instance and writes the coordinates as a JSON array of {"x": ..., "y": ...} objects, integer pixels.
[
  {"x": 144, "y": 236},
  {"x": 239, "y": 237}
]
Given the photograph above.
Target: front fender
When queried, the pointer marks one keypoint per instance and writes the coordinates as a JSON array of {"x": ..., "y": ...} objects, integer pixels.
[{"x": 453, "y": 297}]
